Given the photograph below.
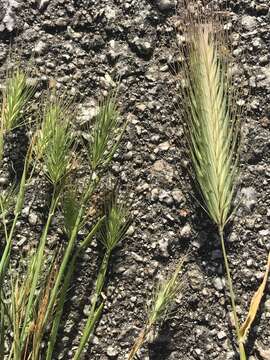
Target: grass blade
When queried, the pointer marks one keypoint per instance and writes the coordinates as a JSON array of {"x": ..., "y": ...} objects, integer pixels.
[{"x": 254, "y": 304}]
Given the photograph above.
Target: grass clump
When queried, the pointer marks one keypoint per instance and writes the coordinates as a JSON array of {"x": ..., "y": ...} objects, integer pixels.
[{"x": 32, "y": 300}]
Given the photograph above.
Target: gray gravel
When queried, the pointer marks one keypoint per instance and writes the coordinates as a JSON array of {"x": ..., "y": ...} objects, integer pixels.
[{"x": 84, "y": 46}]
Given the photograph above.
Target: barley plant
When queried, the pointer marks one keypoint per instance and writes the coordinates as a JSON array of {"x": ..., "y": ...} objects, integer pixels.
[
  {"x": 32, "y": 298},
  {"x": 212, "y": 131},
  {"x": 161, "y": 305},
  {"x": 15, "y": 97}
]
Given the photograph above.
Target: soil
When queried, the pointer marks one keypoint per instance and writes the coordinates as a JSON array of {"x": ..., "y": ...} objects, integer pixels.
[{"x": 83, "y": 46}]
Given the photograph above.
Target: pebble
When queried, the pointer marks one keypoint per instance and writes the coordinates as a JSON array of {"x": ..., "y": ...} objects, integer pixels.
[
  {"x": 218, "y": 283},
  {"x": 32, "y": 218},
  {"x": 249, "y": 262},
  {"x": 221, "y": 335},
  {"x": 186, "y": 232},
  {"x": 112, "y": 352},
  {"x": 164, "y": 146},
  {"x": 249, "y": 22},
  {"x": 267, "y": 305},
  {"x": 40, "y": 48},
  {"x": 142, "y": 47},
  {"x": 3, "y": 180},
  {"x": 163, "y": 245},
  {"x": 165, "y": 5},
  {"x": 195, "y": 279},
  {"x": 165, "y": 197},
  {"x": 249, "y": 197},
  {"x": 130, "y": 230},
  {"x": 178, "y": 196}
]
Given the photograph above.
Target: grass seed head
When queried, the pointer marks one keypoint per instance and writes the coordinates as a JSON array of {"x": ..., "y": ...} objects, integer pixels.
[
  {"x": 103, "y": 143},
  {"x": 115, "y": 225},
  {"x": 54, "y": 140},
  {"x": 211, "y": 127},
  {"x": 165, "y": 295},
  {"x": 15, "y": 97}
]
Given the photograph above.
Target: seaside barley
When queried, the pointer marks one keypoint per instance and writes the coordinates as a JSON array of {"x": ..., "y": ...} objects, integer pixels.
[{"x": 212, "y": 132}]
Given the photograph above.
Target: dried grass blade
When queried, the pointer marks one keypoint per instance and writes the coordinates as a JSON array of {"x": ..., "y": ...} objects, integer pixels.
[{"x": 254, "y": 304}]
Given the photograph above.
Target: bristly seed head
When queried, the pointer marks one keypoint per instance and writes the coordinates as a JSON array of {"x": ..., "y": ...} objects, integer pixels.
[{"x": 212, "y": 129}]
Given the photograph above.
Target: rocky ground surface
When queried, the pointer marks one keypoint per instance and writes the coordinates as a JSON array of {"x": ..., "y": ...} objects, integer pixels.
[{"x": 84, "y": 46}]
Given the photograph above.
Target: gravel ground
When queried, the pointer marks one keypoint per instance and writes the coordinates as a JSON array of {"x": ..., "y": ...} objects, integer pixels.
[{"x": 83, "y": 45}]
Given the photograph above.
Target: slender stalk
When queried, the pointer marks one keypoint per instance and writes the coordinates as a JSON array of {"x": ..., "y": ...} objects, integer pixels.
[
  {"x": 138, "y": 343},
  {"x": 59, "y": 311},
  {"x": 89, "y": 328},
  {"x": 18, "y": 207},
  {"x": 54, "y": 293},
  {"x": 38, "y": 263},
  {"x": 2, "y": 330},
  {"x": 60, "y": 306},
  {"x": 232, "y": 294},
  {"x": 92, "y": 318}
]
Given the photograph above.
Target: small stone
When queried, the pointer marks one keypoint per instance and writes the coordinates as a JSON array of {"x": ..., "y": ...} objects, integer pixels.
[
  {"x": 40, "y": 48},
  {"x": 3, "y": 180},
  {"x": 265, "y": 122},
  {"x": 164, "y": 146},
  {"x": 264, "y": 353},
  {"x": 142, "y": 47},
  {"x": 221, "y": 335},
  {"x": 195, "y": 279},
  {"x": 249, "y": 262},
  {"x": 178, "y": 196},
  {"x": 249, "y": 197},
  {"x": 186, "y": 232},
  {"x": 267, "y": 305},
  {"x": 249, "y": 22},
  {"x": 218, "y": 283},
  {"x": 129, "y": 145},
  {"x": 112, "y": 352},
  {"x": 25, "y": 211},
  {"x": 130, "y": 230},
  {"x": 165, "y": 5},
  {"x": 95, "y": 340},
  {"x": 110, "y": 13},
  {"x": 154, "y": 194},
  {"x": 262, "y": 9},
  {"x": 32, "y": 218},
  {"x": 163, "y": 247},
  {"x": 264, "y": 232},
  {"x": 141, "y": 107},
  {"x": 165, "y": 197},
  {"x": 22, "y": 241}
]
